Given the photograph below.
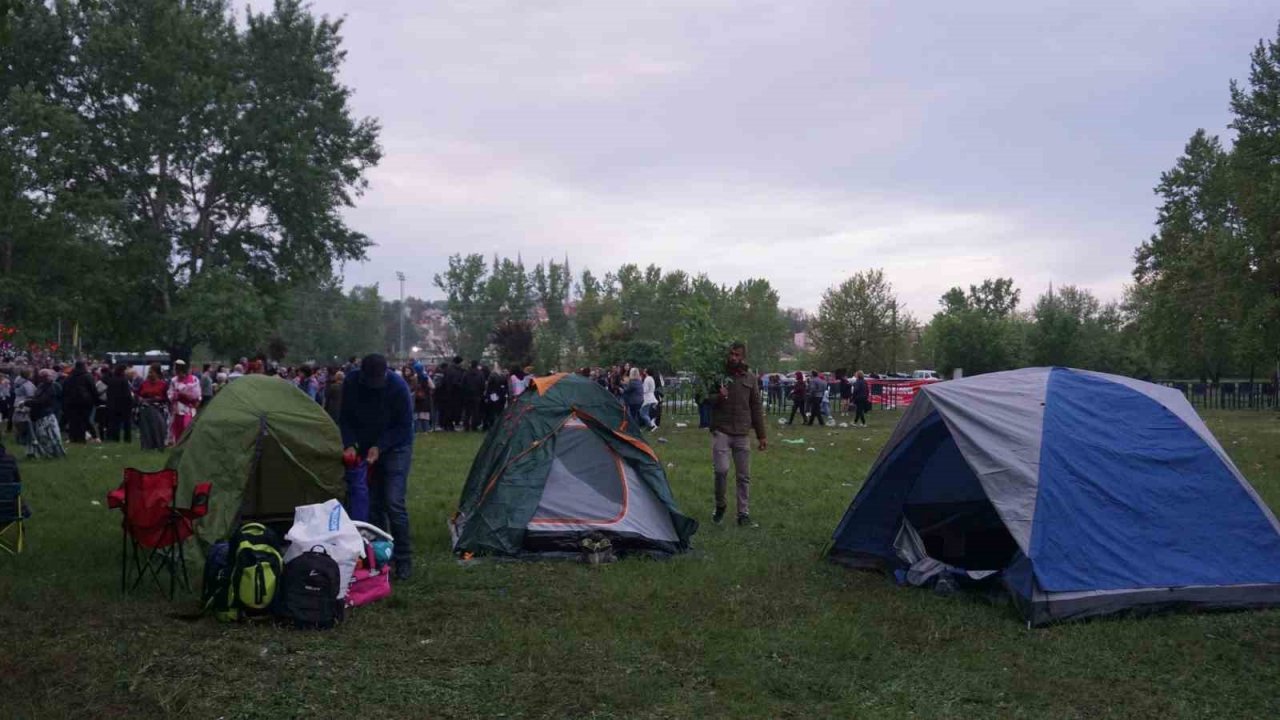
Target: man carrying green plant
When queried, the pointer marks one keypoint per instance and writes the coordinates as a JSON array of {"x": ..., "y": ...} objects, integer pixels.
[{"x": 735, "y": 411}]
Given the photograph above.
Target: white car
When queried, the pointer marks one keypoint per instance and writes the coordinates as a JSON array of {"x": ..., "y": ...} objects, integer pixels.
[{"x": 924, "y": 375}]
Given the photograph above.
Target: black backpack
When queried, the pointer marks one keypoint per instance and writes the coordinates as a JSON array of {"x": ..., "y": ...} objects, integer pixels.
[
  {"x": 216, "y": 594},
  {"x": 308, "y": 596}
]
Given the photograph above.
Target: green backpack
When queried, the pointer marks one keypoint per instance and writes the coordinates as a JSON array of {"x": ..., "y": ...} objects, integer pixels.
[{"x": 254, "y": 572}]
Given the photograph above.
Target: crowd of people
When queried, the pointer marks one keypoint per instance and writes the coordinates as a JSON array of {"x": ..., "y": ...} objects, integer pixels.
[{"x": 45, "y": 402}]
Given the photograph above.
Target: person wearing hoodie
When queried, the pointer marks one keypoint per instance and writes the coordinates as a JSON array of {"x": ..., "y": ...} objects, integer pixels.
[{"x": 376, "y": 421}]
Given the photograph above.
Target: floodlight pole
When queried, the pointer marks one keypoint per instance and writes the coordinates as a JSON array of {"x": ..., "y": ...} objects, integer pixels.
[{"x": 400, "y": 347}]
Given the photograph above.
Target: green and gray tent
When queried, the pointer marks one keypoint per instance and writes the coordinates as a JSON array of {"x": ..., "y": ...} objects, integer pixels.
[
  {"x": 563, "y": 465},
  {"x": 266, "y": 448}
]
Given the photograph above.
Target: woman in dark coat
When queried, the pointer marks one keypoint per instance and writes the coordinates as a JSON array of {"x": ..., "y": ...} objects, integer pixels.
[
  {"x": 119, "y": 405},
  {"x": 861, "y": 399},
  {"x": 79, "y": 397}
]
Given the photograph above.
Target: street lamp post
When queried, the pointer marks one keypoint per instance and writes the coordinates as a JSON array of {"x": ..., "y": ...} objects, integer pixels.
[{"x": 400, "y": 346}]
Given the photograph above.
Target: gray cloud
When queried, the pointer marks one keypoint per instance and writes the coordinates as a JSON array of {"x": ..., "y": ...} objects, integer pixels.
[{"x": 944, "y": 142}]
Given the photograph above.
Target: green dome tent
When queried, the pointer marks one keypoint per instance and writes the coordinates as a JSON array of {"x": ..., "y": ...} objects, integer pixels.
[
  {"x": 266, "y": 448},
  {"x": 562, "y": 465}
]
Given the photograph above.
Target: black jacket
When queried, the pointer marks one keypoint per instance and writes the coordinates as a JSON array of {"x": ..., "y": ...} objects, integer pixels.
[
  {"x": 42, "y": 403},
  {"x": 473, "y": 384},
  {"x": 119, "y": 394},
  {"x": 79, "y": 391}
]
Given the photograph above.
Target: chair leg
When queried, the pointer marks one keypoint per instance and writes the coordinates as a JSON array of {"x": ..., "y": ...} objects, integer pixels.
[
  {"x": 124, "y": 560},
  {"x": 182, "y": 560}
]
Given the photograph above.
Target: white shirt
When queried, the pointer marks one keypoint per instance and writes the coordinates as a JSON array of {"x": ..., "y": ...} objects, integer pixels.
[{"x": 649, "y": 397}]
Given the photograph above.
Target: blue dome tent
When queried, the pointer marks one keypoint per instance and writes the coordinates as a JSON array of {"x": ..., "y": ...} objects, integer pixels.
[{"x": 1084, "y": 493}]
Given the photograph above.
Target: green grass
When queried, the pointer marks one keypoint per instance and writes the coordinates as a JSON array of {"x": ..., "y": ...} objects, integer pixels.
[{"x": 753, "y": 624}]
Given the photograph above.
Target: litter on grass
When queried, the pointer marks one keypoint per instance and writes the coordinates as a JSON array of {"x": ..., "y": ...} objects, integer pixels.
[{"x": 793, "y": 441}]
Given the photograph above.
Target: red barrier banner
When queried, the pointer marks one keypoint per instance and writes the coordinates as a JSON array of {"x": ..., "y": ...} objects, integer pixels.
[{"x": 895, "y": 393}]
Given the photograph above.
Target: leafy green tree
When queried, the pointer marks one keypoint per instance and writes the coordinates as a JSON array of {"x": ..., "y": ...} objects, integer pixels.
[
  {"x": 464, "y": 285},
  {"x": 752, "y": 315},
  {"x": 644, "y": 354},
  {"x": 1071, "y": 328},
  {"x": 555, "y": 340},
  {"x": 219, "y": 149},
  {"x": 860, "y": 324},
  {"x": 698, "y": 344},
  {"x": 1255, "y": 163},
  {"x": 1194, "y": 271},
  {"x": 978, "y": 331},
  {"x": 322, "y": 324}
]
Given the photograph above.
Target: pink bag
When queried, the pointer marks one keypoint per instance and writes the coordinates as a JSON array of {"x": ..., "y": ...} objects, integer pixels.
[
  {"x": 369, "y": 583},
  {"x": 366, "y": 588}
]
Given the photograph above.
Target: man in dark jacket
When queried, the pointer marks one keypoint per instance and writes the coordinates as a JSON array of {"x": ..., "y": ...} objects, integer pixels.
[
  {"x": 473, "y": 396},
  {"x": 376, "y": 420},
  {"x": 735, "y": 411}
]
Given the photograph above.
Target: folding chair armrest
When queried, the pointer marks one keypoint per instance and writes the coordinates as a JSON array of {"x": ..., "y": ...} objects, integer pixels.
[
  {"x": 199, "y": 501},
  {"x": 115, "y": 498}
]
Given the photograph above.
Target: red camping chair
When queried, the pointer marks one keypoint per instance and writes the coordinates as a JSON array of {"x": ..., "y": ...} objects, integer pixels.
[{"x": 152, "y": 521}]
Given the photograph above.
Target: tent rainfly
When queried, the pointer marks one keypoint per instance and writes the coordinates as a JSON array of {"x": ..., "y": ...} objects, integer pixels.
[
  {"x": 1083, "y": 493},
  {"x": 563, "y": 465},
  {"x": 266, "y": 447}
]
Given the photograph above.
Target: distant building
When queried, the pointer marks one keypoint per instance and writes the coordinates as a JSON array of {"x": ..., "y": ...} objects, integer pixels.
[{"x": 801, "y": 341}]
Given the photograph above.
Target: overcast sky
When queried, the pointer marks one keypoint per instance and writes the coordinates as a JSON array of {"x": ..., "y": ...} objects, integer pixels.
[{"x": 800, "y": 141}]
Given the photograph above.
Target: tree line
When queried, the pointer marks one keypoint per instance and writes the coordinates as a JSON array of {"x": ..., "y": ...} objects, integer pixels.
[{"x": 549, "y": 317}]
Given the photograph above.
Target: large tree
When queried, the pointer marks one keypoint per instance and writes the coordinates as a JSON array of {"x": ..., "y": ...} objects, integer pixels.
[
  {"x": 220, "y": 157},
  {"x": 753, "y": 316},
  {"x": 861, "y": 324},
  {"x": 1193, "y": 273},
  {"x": 977, "y": 331},
  {"x": 53, "y": 257},
  {"x": 1256, "y": 174}
]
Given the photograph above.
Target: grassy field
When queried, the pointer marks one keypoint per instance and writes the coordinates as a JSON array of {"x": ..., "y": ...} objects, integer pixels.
[{"x": 752, "y": 624}]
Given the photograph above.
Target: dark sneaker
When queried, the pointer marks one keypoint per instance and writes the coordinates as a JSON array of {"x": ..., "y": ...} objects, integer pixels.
[
  {"x": 718, "y": 516},
  {"x": 744, "y": 520},
  {"x": 404, "y": 570}
]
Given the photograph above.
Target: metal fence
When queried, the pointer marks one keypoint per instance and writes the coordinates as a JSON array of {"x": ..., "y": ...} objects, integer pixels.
[
  {"x": 679, "y": 398},
  {"x": 1228, "y": 395}
]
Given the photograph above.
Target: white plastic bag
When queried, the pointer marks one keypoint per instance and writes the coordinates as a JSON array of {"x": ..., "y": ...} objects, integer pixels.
[{"x": 328, "y": 525}]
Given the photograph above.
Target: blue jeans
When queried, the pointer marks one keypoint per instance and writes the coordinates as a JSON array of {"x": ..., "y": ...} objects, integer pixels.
[
  {"x": 646, "y": 414},
  {"x": 633, "y": 411},
  {"x": 387, "y": 487}
]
